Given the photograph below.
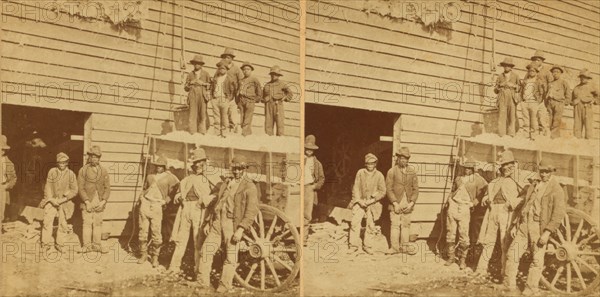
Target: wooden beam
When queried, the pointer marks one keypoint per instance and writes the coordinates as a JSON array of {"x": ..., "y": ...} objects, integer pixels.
[
  {"x": 576, "y": 176},
  {"x": 397, "y": 136},
  {"x": 186, "y": 152},
  {"x": 494, "y": 156}
]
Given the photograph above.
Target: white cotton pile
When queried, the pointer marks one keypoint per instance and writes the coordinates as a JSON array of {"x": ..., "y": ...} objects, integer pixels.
[
  {"x": 563, "y": 145},
  {"x": 261, "y": 143}
]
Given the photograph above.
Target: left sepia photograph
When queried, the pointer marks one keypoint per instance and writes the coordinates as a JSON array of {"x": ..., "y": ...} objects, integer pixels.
[{"x": 150, "y": 148}]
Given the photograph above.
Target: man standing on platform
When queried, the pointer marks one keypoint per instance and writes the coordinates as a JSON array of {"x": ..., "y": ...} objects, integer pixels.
[
  {"x": 275, "y": 93},
  {"x": 250, "y": 92},
  {"x": 197, "y": 85},
  {"x": 585, "y": 95}
]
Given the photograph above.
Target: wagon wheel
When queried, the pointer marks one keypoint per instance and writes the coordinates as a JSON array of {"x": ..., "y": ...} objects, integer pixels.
[
  {"x": 572, "y": 262},
  {"x": 269, "y": 252}
]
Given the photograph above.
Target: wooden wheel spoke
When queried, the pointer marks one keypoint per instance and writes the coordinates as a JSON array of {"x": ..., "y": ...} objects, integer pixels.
[
  {"x": 251, "y": 272},
  {"x": 588, "y": 266},
  {"x": 247, "y": 238},
  {"x": 286, "y": 265},
  {"x": 283, "y": 235},
  {"x": 254, "y": 233},
  {"x": 261, "y": 224},
  {"x": 589, "y": 253},
  {"x": 263, "y": 275},
  {"x": 560, "y": 236},
  {"x": 273, "y": 271},
  {"x": 271, "y": 228},
  {"x": 569, "y": 276},
  {"x": 284, "y": 250},
  {"x": 578, "y": 231},
  {"x": 557, "y": 275},
  {"x": 568, "y": 227},
  {"x": 556, "y": 243},
  {"x": 587, "y": 239},
  {"x": 551, "y": 251},
  {"x": 579, "y": 276}
]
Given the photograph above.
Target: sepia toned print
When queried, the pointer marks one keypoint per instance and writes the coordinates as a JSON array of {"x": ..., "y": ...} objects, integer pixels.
[
  {"x": 458, "y": 142},
  {"x": 150, "y": 148}
]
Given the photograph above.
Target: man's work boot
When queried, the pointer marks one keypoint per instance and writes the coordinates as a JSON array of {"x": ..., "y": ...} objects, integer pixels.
[
  {"x": 154, "y": 261},
  {"x": 143, "y": 253},
  {"x": 463, "y": 263}
]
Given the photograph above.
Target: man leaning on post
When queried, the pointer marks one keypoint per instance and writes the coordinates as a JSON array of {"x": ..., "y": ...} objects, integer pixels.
[{"x": 94, "y": 190}]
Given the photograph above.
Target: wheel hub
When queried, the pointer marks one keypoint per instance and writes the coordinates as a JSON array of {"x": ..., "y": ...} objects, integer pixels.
[
  {"x": 567, "y": 252},
  {"x": 260, "y": 249}
]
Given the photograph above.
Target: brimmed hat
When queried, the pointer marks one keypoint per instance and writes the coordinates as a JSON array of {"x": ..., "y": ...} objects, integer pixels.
[
  {"x": 198, "y": 59},
  {"x": 228, "y": 52},
  {"x": 507, "y": 61},
  {"x": 198, "y": 155},
  {"x": 160, "y": 161},
  {"x": 506, "y": 157},
  {"x": 545, "y": 166},
  {"x": 562, "y": 70},
  {"x": 468, "y": 163},
  {"x": 534, "y": 176},
  {"x": 62, "y": 157},
  {"x": 531, "y": 66},
  {"x": 95, "y": 150},
  {"x": 3, "y": 143},
  {"x": 585, "y": 73},
  {"x": 275, "y": 70},
  {"x": 310, "y": 142},
  {"x": 239, "y": 162},
  {"x": 403, "y": 151},
  {"x": 247, "y": 64},
  {"x": 370, "y": 158},
  {"x": 539, "y": 54}
]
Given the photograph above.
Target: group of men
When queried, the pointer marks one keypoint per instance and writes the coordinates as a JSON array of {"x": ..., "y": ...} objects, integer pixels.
[
  {"x": 524, "y": 218},
  {"x": 217, "y": 215},
  {"x": 232, "y": 90},
  {"x": 541, "y": 97}
]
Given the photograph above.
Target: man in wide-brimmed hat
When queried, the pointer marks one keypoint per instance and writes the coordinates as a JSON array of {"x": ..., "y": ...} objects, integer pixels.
[
  {"x": 8, "y": 176},
  {"x": 93, "y": 183},
  {"x": 544, "y": 74},
  {"x": 197, "y": 85},
  {"x": 194, "y": 196},
  {"x": 557, "y": 96},
  {"x": 227, "y": 57},
  {"x": 532, "y": 105},
  {"x": 275, "y": 93},
  {"x": 506, "y": 87},
  {"x": 368, "y": 190},
  {"x": 250, "y": 93},
  {"x": 314, "y": 178},
  {"x": 223, "y": 100},
  {"x": 61, "y": 187},
  {"x": 467, "y": 192},
  {"x": 159, "y": 187},
  {"x": 542, "y": 213},
  {"x": 501, "y": 199},
  {"x": 585, "y": 95},
  {"x": 234, "y": 214},
  {"x": 402, "y": 187}
]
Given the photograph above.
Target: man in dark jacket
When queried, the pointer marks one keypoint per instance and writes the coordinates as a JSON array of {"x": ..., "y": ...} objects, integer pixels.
[
  {"x": 8, "y": 177},
  {"x": 274, "y": 94},
  {"x": 402, "y": 188},
  {"x": 541, "y": 215},
  {"x": 314, "y": 178},
  {"x": 94, "y": 189},
  {"x": 235, "y": 210},
  {"x": 197, "y": 85},
  {"x": 223, "y": 92}
]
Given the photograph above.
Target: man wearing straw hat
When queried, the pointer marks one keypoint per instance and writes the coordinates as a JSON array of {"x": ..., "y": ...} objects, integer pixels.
[
  {"x": 194, "y": 196},
  {"x": 197, "y": 85},
  {"x": 274, "y": 94},
  {"x": 60, "y": 189},
  {"x": 234, "y": 213},
  {"x": 506, "y": 87},
  {"x": 541, "y": 215},
  {"x": 158, "y": 190},
  {"x": 8, "y": 177},
  {"x": 94, "y": 190},
  {"x": 585, "y": 95},
  {"x": 402, "y": 187},
  {"x": 501, "y": 199},
  {"x": 367, "y": 191},
  {"x": 250, "y": 93},
  {"x": 314, "y": 178},
  {"x": 467, "y": 191}
]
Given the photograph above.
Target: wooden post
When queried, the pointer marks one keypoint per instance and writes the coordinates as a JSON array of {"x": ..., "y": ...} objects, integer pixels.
[
  {"x": 269, "y": 173},
  {"x": 397, "y": 132},
  {"x": 576, "y": 177},
  {"x": 494, "y": 156},
  {"x": 185, "y": 157}
]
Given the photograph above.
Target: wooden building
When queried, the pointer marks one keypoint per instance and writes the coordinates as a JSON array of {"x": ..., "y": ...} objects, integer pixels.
[
  {"x": 98, "y": 74},
  {"x": 420, "y": 74}
]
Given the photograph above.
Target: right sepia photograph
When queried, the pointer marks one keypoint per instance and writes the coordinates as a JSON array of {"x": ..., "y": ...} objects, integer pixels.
[{"x": 451, "y": 148}]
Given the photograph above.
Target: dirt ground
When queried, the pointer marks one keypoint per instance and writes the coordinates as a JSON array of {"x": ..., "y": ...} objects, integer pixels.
[
  {"x": 24, "y": 271},
  {"x": 330, "y": 270}
]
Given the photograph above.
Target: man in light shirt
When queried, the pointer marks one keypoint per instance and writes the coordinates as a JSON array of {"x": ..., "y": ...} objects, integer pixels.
[
  {"x": 223, "y": 99},
  {"x": 532, "y": 106}
]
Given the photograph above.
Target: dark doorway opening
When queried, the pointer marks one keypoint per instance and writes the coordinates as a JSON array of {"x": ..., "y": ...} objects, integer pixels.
[
  {"x": 35, "y": 136},
  {"x": 345, "y": 136}
]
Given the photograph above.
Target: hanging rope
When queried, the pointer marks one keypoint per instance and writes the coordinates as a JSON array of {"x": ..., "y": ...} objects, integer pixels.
[{"x": 458, "y": 121}]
